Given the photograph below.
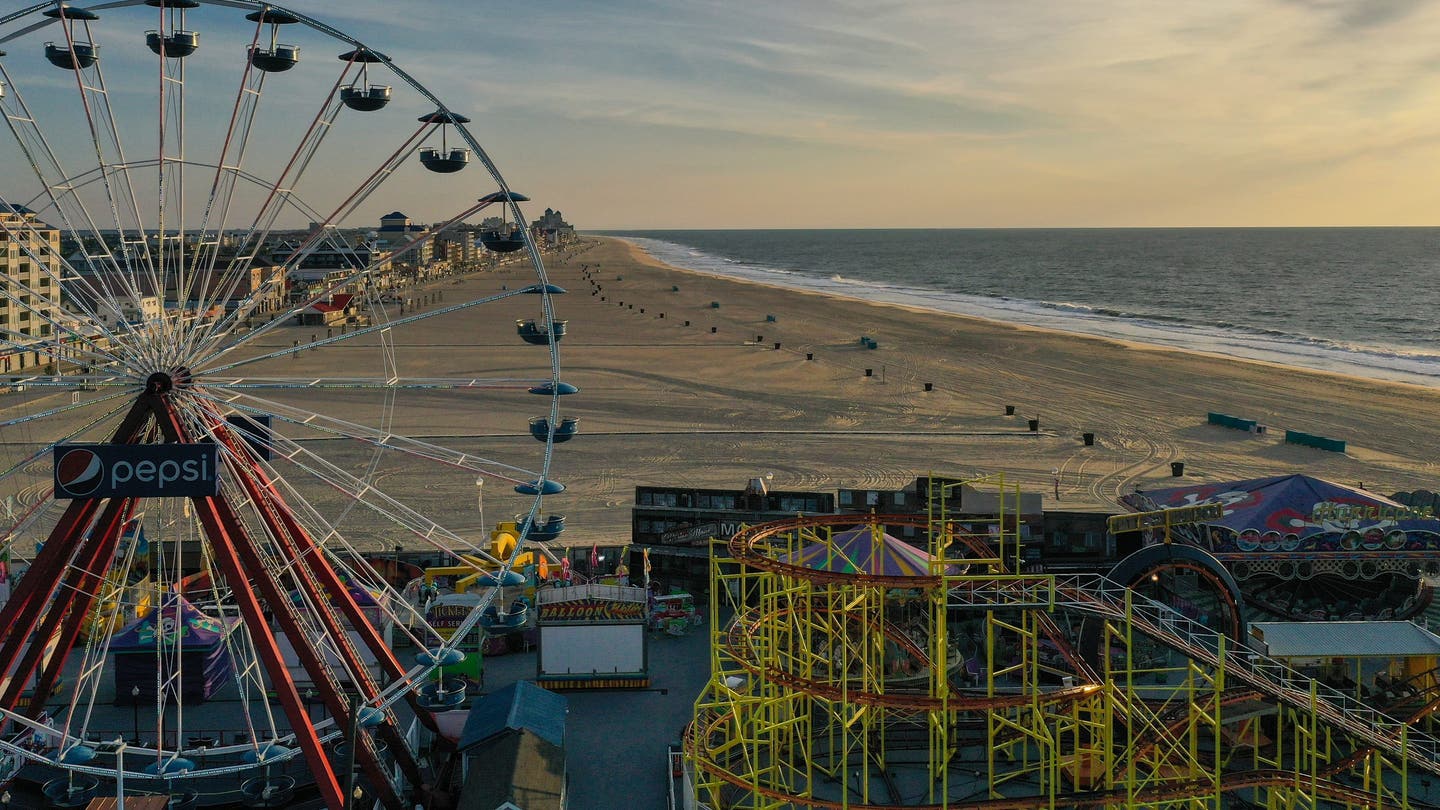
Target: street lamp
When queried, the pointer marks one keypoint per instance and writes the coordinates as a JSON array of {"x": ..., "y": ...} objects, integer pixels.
[
  {"x": 135, "y": 710},
  {"x": 480, "y": 499}
]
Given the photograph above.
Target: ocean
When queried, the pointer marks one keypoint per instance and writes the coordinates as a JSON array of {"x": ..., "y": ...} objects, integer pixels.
[{"x": 1359, "y": 301}]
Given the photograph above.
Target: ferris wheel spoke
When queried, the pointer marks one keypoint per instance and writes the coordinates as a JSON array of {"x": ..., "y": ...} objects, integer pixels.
[
  {"x": 344, "y": 429},
  {"x": 74, "y": 406},
  {"x": 27, "y": 237},
  {"x": 50, "y": 447},
  {"x": 368, "y": 383},
  {"x": 364, "y": 494},
  {"x": 354, "y": 487},
  {"x": 278, "y": 196},
  {"x": 109, "y": 151},
  {"x": 356, "y": 277},
  {"x": 46, "y": 166},
  {"x": 231, "y": 159},
  {"x": 353, "y": 334}
]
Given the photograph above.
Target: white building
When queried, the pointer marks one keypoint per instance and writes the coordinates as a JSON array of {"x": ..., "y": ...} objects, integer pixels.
[{"x": 30, "y": 258}]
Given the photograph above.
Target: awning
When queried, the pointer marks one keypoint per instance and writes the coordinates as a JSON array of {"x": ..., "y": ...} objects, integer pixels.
[{"x": 1345, "y": 639}]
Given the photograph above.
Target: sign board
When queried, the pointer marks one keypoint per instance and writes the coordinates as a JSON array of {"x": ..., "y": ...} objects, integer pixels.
[
  {"x": 255, "y": 430},
  {"x": 136, "y": 470},
  {"x": 1160, "y": 518},
  {"x": 699, "y": 533}
]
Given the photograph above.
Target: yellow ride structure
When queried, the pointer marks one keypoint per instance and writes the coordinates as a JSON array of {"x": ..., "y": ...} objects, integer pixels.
[
  {"x": 1016, "y": 690},
  {"x": 473, "y": 571}
]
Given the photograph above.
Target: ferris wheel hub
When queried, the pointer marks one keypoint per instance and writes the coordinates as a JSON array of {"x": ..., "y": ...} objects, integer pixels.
[
  {"x": 163, "y": 382},
  {"x": 159, "y": 383}
]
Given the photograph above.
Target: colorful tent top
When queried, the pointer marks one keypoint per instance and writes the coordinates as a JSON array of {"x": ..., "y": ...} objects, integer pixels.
[
  {"x": 1295, "y": 512},
  {"x": 860, "y": 551},
  {"x": 179, "y": 621}
]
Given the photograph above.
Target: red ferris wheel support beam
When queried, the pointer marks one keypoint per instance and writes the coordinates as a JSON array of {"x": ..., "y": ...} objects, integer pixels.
[
  {"x": 67, "y": 541},
  {"x": 313, "y": 557},
  {"x": 73, "y": 603},
  {"x": 228, "y": 541},
  {"x": 19, "y": 616},
  {"x": 278, "y": 521},
  {"x": 236, "y": 555}
]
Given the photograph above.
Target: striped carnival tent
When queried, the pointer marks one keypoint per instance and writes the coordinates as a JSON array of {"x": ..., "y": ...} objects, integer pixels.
[{"x": 863, "y": 550}]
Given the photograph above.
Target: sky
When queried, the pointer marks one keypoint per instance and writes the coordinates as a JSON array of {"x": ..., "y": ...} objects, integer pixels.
[{"x": 921, "y": 113}]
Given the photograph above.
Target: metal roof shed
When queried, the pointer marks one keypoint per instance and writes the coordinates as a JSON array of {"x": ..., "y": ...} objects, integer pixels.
[{"x": 1397, "y": 639}]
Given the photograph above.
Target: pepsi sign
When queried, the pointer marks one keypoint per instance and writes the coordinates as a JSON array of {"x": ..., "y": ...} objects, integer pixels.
[{"x": 137, "y": 470}]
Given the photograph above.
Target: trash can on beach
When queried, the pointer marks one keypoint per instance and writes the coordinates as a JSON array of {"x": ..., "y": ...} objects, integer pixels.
[
  {"x": 1009, "y": 410},
  {"x": 1089, "y": 439},
  {"x": 1177, "y": 469},
  {"x": 1034, "y": 425}
]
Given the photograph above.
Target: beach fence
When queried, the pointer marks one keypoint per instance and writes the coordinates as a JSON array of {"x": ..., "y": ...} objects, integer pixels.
[
  {"x": 1317, "y": 442},
  {"x": 1235, "y": 422}
]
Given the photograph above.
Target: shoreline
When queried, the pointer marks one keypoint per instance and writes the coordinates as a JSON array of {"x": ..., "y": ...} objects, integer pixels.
[
  {"x": 1241, "y": 345},
  {"x": 642, "y": 256}
]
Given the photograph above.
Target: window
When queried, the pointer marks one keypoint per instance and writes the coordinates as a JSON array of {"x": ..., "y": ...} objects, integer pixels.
[{"x": 845, "y": 497}]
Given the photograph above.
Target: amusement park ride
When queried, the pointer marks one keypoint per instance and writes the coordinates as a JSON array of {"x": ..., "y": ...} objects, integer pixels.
[
  {"x": 148, "y": 504},
  {"x": 836, "y": 685}
]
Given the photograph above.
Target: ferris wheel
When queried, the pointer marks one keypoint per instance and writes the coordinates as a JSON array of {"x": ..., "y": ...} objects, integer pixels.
[{"x": 224, "y": 389}]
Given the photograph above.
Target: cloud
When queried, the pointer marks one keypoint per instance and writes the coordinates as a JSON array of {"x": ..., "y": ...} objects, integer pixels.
[{"x": 1158, "y": 110}]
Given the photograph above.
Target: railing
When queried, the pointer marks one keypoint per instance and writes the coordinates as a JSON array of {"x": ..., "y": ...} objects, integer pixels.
[
  {"x": 593, "y": 590},
  {"x": 1099, "y": 596}
]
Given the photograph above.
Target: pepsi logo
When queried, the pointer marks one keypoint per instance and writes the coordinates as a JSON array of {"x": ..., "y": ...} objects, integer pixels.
[{"x": 79, "y": 472}]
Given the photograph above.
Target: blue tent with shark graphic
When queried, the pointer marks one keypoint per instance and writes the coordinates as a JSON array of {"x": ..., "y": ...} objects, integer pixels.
[
  {"x": 1297, "y": 513},
  {"x": 174, "y": 636}
]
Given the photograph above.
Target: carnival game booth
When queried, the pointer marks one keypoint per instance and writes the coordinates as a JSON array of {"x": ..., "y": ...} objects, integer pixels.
[
  {"x": 192, "y": 644},
  {"x": 1310, "y": 549},
  {"x": 592, "y": 636}
]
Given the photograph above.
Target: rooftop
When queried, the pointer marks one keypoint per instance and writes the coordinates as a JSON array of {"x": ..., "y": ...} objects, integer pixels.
[{"x": 1345, "y": 639}]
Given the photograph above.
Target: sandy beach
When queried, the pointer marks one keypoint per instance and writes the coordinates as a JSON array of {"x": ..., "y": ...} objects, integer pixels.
[{"x": 714, "y": 403}]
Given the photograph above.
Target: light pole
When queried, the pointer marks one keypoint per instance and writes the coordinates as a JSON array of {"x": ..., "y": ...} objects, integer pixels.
[
  {"x": 135, "y": 710},
  {"x": 353, "y": 738},
  {"x": 480, "y": 500}
]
